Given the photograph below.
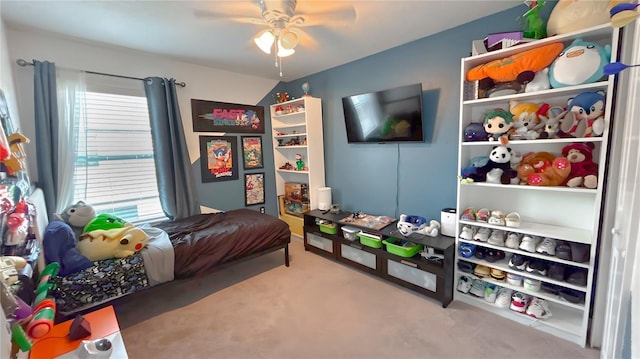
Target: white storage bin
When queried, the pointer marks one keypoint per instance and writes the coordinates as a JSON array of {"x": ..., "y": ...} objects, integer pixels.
[
  {"x": 350, "y": 233},
  {"x": 412, "y": 275},
  {"x": 320, "y": 242},
  {"x": 359, "y": 256}
]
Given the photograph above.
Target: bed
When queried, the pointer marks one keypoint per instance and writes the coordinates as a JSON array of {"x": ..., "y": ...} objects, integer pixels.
[{"x": 179, "y": 249}]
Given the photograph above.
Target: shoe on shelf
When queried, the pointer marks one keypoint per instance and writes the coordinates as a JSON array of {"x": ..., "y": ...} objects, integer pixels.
[
  {"x": 465, "y": 266},
  {"x": 493, "y": 255},
  {"x": 576, "y": 276},
  {"x": 466, "y": 250},
  {"x": 572, "y": 295},
  {"x": 497, "y": 218},
  {"x": 550, "y": 288},
  {"x": 481, "y": 271},
  {"x": 547, "y": 246},
  {"x": 579, "y": 252},
  {"x": 464, "y": 284},
  {"x": 469, "y": 214},
  {"x": 529, "y": 243},
  {"x": 556, "y": 271},
  {"x": 513, "y": 240},
  {"x": 563, "y": 250},
  {"x": 480, "y": 253},
  {"x": 498, "y": 274},
  {"x": 467, "y": 232},
  {"x": 514, "y": 279},
  {"x": 503, "y": 299},
  {"x": 538, "y": 309},
  {"x": 497, "y": 237},
  {"x": 519, "y": 302},
  {"x": 483, "y": 215},
  {"x": 482, "y": 234},
  {"x": 537, "y": 266},
  {"x": 490, "y": 292},
  {"x": 532, "y": 284},
  {"x": 512, "y": 219},
  {"x": 477, "y": 288},
  {"x": 518, "y": 262}
]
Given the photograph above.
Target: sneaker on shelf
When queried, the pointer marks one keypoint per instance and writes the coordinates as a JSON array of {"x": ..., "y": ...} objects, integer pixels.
[
  {"x": 576, "y": 276},
  {"x": 538, "y": 309},
  {"x": 579, "y": 252},
  {"x": 550, "y": 288},
  {"x": 572, "y": 295},
  {"x": 519, "y": 302},
  {"x": 514, "y": 279},
  {"x": 497, "y": 218},
  {"x": 547, "y": 246},
  {"x": 481, "y": 271},
  {"x": 497, "y": 237},
  {"x": 464, "y": 284},
  {"x": 490, "y": 292},
  {"x": 493, "y": 255},
  {"x": 513, "y": 240},
  {"x": 529, "y": 243},
  {"x": 532, "y": 284},
  {"x": 563, "y": 250},
  {"x": 480, "y": 253},
  {"x": 537, "y": 266},
  {"x": 467, "y": 232},
  {"x": 518, "y": 262},
  {"x": 466, "y": 250},
  {"x": 503, "y": 299},
  {"x": 556, "y": 271},
  {"x": 482, "y": 234},
  {"x": 477, "y": 288},
  {"x": 465, "y": 266},
  {"x": 498, "y": 274}
]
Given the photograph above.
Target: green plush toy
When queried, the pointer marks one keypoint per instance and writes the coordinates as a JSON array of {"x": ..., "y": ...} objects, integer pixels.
[{"x": 107, "y": 236}]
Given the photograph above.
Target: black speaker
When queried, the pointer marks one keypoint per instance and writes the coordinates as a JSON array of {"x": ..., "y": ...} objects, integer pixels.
[{"x": 80, "y": 328}]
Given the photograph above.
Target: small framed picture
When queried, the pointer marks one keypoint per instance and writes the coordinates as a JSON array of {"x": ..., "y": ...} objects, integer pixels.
[
  {"x": 252, "y": 152},
  {"x": 218, "y": 159},
  {"x": 253, "y": 188}
]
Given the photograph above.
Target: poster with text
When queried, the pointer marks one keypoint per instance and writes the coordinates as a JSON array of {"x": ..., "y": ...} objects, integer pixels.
[
  {"x": 212, "y": 116},
  {"x": 252, "y": 152},
  {"x": 218, "y": 159},
  {"x": 253, "y": 188}
]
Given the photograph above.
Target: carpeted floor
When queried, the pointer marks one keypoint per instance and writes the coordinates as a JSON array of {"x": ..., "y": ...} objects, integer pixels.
[{"x": 317, "y": 308}]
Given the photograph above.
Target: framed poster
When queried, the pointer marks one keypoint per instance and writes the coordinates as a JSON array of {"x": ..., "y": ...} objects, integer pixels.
[
  {"x": 253, "y": 188},
  {"x": 218, "y": 158},
  {"x": 212, "y": 116},
  {"x": 252, "y": 152}
]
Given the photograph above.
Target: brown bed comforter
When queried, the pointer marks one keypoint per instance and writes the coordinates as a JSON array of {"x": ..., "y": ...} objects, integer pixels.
[{"x": 204, "y": 241}]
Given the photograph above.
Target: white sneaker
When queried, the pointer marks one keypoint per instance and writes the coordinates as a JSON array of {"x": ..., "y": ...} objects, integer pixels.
[
  {"x": 464, "y": 284},
  {"x": 529, "y": 243},
  {"x": 477, "y": 288},
  {"x": 491, "y": 292},
  {"x": 539, "y": 309},
  {"x": 467, "y": 232},
  {"x": 513, "y": 240},
  {"x": 482, "y": 234},
  {"x": 503, "y": 299},
  {"x": 547, "y": 246},
  {"x": 519, "y": 302},
  {"x": 497, "y": 238}
]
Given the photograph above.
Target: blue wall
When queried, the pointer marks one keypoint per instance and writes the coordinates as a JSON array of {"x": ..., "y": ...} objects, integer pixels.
[{"x": 390, "y": 179}]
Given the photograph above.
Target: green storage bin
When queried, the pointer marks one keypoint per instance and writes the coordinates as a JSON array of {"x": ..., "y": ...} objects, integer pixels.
[
  {"x": 328, "y": 228},
  {"x": 393, "y": 246},
  {"x": 369, "y": 241}
]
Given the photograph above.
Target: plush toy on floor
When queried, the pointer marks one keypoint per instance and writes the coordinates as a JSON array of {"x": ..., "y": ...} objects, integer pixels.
[
  {"x": 584, "y": 172},
  {"x": 408, "y": 225}
]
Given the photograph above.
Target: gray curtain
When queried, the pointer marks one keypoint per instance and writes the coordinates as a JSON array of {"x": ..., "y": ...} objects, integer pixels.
[
  {"x": 173, "y": 168},
  {"x": 46, "y": 121}
]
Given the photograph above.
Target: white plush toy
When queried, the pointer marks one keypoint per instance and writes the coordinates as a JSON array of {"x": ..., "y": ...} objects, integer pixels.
[
  {"x": 416, "y": 224},
  {"x": 540, "y": 81}
]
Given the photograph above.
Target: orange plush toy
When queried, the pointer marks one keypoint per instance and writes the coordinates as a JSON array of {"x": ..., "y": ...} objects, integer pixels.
[{"x": 543, "y": 169}]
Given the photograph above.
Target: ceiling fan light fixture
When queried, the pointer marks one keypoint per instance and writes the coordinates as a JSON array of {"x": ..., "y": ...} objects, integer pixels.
[
  {"x": 283, "y": 52},
  {"x": 288, "y": 39},
  {"x": 264, "y": 40}
]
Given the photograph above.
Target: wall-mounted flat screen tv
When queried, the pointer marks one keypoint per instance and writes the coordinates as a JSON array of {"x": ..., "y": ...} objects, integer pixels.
[{"x": 392, "y": 115}]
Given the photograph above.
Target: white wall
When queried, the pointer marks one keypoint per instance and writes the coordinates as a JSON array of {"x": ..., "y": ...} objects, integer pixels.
[
  {"x": 202, "y": 82},
  {"x": 6, "y": 76}
]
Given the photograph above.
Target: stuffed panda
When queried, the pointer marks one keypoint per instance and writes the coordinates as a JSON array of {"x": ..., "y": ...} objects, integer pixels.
[{"x": 499, "y": 160}]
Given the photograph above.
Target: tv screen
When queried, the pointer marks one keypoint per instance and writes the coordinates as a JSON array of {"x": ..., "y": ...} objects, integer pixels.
[{"x": 392, "y": 115}]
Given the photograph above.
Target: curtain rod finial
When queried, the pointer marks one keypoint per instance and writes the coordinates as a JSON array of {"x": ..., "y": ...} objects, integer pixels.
[{"x": 22, "y": 62}]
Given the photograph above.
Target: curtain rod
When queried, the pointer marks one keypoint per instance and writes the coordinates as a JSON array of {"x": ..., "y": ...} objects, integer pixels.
[{"x": 23, "y": 63}]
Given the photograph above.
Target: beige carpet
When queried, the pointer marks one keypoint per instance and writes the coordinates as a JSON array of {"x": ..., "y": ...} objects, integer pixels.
[{"x": 317, "y": 308}]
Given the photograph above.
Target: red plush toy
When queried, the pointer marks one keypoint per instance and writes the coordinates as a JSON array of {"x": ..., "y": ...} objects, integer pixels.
[{"x": 584, "y": 172}]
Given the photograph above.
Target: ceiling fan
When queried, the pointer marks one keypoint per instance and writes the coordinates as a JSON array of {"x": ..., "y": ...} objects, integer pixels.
[{"x": 284, "y": 21}]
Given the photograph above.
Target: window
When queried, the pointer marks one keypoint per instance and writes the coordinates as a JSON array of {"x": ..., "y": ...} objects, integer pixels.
[{"x": 114, "y": 167}]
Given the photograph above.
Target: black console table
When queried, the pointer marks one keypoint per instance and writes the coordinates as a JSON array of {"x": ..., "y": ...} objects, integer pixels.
[{"x": 431, "y": 277}]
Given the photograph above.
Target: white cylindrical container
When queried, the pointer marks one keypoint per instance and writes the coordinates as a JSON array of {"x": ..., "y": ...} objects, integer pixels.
[
  {"x": 448, "y": 222},
  {"x": 324, "y": 198}
]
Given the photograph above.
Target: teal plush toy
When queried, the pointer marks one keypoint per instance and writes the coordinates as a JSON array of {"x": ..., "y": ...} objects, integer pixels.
[
  {"x": 579, "y": 63},
  {"x": 77, "y": 216}
]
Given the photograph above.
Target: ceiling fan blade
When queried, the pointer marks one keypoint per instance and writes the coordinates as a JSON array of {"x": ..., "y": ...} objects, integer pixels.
[
  {"x": 331, "y": 14},
  {"x": 199, "y": 13},
  {"x": 304, "y": 39}
]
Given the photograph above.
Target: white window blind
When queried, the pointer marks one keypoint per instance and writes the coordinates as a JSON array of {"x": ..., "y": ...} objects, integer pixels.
[{"x": 115, "y": 171}]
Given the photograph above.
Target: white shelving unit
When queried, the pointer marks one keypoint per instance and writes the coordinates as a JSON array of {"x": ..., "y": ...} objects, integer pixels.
[
  {"x": 563, "y": 213},
  {"x": 301, "y": 122}
]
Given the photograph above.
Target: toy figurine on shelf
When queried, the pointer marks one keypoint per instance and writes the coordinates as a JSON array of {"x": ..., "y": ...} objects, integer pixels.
[
  {"x": 299, "y": 162},
  {"x": 286, "y": 166},
  {"x": 532, "y": 25}
]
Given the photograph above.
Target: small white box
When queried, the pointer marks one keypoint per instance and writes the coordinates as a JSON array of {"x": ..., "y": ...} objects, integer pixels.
[
  {"x": 448, "y": 222},
  {"x": 350, "y": 233}
]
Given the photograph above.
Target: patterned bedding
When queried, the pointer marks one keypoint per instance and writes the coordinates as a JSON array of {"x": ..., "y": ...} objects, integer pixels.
[{"x": 106, "y": 280}]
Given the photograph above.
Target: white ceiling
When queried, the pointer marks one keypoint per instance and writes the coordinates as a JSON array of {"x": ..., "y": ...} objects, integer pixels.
[{"x": 179, "y": 29}]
